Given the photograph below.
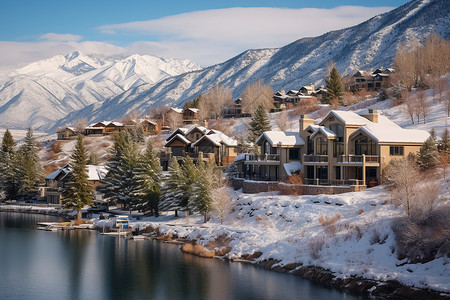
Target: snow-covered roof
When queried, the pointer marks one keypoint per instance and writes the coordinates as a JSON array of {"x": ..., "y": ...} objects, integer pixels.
[
  {"x": 55, "y": 174},
  {"x": 194, "y": 110},
  {"x": 195, "y": 126},
  {"x": 96, "y": 173},
  {"x": 291, "y": 167},
  {"x": 217, "y": 138},
  {"x": 64, "y": 129},
  {"x": 180, "y": 137},
  {"x": 177, "y": 110},
  {"x": 389, "y": 132},
  {"x": 325, "y": 131},
  {"x": 347, "y": 117},
  {"x": 181, "y": 130},
  {"x": 118, "y": 124},
  {"x": 240, "y": 157},
  {"x": 282, "y": 138}
]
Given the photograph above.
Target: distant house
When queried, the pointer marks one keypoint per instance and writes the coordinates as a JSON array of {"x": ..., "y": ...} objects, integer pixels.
[
  {"x": 66, "y": 133},
  {"x": 233, "y": 111},
  {"x": 380, "y": 78},
  {"x": 291, "y": 99},
  {"x": 199, "y": 143},
  {"x": 148, "y": 126},
  {"x": 103, "y": 128},
  {"x": 56, "y": 182},
  {"x": 190, "y": 115}
]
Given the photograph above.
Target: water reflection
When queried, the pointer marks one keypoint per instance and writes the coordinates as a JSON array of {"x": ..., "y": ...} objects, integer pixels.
[{"x": 86, "y": 265}]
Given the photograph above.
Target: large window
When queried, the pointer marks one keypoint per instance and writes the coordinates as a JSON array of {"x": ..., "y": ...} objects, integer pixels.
[
  {"x": 321, "y": 146},
  {"x": 206, "y": 149},
  {"x": 365, "y": 146},
  {"x": 310, "y": 145},
  {"x": 294, "y": 154},
  {"x": 338, "y": 129},
  {"x": 396, "y": 150}
]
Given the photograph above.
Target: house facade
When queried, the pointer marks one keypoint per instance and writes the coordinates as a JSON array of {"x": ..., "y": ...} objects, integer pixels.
[
  {"x": 380, "y": 78},
  {"x": 66, "y": 133},
  {"x": 280, "y": 156},
  {"x": 199, "y": 143},
  {"x": 55, "y": 183},
  {"x": 344, "y": 148}
]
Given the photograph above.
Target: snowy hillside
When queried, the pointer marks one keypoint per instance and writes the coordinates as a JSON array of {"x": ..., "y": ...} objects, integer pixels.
[
  {"x": 368, "y": 45},
  {"x": 45, "y": 91}
]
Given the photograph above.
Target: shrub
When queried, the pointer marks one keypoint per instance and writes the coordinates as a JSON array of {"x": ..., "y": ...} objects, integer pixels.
[
  {"x": 326, "y": 221},
  {"x": 315, "y": 246}
]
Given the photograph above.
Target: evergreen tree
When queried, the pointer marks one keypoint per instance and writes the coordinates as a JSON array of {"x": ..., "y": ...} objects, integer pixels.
[
  {"x": 258, "y": 124},
  {"x": 29, "y": 165},
  {"x": 201, "y": 198},
  {"x": 429, "y": 155},
  {"x": 8, "y": 143},
  {"x": 444, "y": 143},
  {"x": 79, "y": 191},
  {"x": 172, "y": 196},
  {"x": 120, "y": 184},
  {"x": 334, "y": 85},
  {"x": 148, "y": 177}
]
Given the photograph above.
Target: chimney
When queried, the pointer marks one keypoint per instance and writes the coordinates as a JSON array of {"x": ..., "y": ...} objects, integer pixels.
[
  {"x": 305, "y": 122},
  {"x": 312, "y": 87},
  {"x": 205, "y": 124},
  {"x": 372, "y": 115}
]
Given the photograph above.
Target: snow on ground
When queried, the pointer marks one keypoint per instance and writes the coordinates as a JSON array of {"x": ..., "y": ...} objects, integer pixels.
[{"x": 349, "y": 234}]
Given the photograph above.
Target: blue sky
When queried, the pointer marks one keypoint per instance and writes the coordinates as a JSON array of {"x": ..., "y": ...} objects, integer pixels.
[{"x": 205, "y": 31}]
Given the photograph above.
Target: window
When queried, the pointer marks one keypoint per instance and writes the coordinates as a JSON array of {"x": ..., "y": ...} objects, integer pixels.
[
  {"x": 206, "y": 149},
  {"x": 321, "y": 146},
  {"x": 310, "y": 146},
  {"x": 365, "y": 146},
  {"x": 338, "y": 129},
  {"x": 294, "y": 154},
  {"x": 396, "y": 150}
]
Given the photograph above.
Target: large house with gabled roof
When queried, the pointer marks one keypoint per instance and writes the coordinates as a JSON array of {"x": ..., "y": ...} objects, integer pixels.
[
  {"x": 344, "y": 148},
  {"x": 199, "y": 143}
]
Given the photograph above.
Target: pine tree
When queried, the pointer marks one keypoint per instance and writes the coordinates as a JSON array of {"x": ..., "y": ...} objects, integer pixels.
[
  {"x": 444, "y": 143},
  {"x": 334, "y": 85},
  {"x": 258, "y": 124},
  {"x": 148, "y": 176},
  {"x": 429, "y": 155},
  {"x": 120, "y": 185},
  {"x": 201, "y": 198},
  {"x": 172, "y": 196},
  {"x": 79, "y": 191},
  {"x": 29, "y": 165},
  {"x": 8, "y": 143}
]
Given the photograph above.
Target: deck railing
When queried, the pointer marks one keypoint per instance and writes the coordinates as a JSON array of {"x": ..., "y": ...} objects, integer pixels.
[
  {"x": 311, "y": 158},
  {"x": 262, "y": 157}
]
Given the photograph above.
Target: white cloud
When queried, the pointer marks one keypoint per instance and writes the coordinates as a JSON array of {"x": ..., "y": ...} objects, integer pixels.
[
  {"x": 206, "y": 37},
  {"x": 197, "y": 35},
  {"x": 19, "y": 54},
  {"x": 61, "y": 37}
]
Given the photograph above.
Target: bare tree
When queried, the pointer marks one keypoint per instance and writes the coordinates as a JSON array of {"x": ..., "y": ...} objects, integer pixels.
[
  {"x": 222, "y": 202},
  {"x": 405, "y": 176},
  {"x": 283, "y": 121},
  {"x": 175, "y": 119},
  {"x": 422, "y": 104},
  {"x": 255, "y": 94},
  {"x": 80, "y": 125},
  {"x": 410, "y": 104},
  {"x": 131, "y": 118},
  {"x": 447, "y": 102},
  {"x": 212, "y": 103},
  {"x": 159, "y": 112},
  {"x": 442, "y": 85}
]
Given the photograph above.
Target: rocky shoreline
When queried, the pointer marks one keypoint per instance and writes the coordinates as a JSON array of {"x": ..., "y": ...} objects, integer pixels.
[{"x": 391, "y": 290}]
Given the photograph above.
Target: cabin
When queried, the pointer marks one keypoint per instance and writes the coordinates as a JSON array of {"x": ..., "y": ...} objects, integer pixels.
[
  {"x": 56, "y": 182},
  {"x": 66, "y": 133}
]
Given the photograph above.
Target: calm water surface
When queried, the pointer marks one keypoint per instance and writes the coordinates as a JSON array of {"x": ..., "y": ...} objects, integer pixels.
[{"x": 82, "y": 264}]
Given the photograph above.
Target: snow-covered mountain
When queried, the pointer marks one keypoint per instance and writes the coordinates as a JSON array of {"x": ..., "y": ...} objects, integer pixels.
[
  {"x": 45, "y": 91},
  {"x": 368, "y": 45}
]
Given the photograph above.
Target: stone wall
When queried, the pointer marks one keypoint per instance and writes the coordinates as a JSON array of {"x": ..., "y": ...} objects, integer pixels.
[{"x": 251, "y": 187}]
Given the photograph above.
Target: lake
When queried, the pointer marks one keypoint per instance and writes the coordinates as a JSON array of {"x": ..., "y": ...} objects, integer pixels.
[{"x": 83, "y": 264}]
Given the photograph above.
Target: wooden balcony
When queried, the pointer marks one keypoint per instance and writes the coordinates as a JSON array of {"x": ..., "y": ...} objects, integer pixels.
[
  {"x": 358, "y": 159},
  {"x": 263, "y": 159},
  {"x": 315, "y": 159},
  {"x": 335, "y": 182}
]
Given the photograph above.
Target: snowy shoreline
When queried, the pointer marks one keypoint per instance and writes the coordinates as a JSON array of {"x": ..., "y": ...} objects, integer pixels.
[{"x": 344, "y": 241}]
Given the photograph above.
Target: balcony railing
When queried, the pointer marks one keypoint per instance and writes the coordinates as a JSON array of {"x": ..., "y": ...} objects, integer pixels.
[
  {"x": 262, "y": 157},
  {"x": 335, "y": 182},
  {"x": 315, "y": 158},
  {"x": 193, "y": 155},
  {"x": 358, "y": 158}
]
